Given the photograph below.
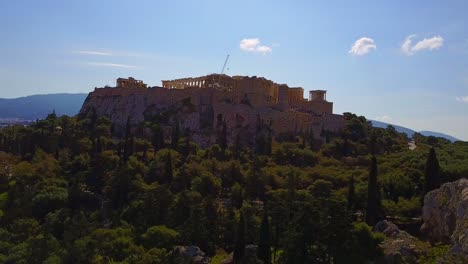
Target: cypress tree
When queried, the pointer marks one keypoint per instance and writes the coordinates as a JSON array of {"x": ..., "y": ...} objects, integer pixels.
[
  {"x": 269, "y": 144},
  {"x": 228, "y": 228},
  {"x": 239, "y": 247},
  {"x": 373, "y": 196},
  {"x": 345, "y": 147},
  {"x": 168, "y": 172},
  {"x": 304, "y": 140},
  {"x": 175, "y": 135},
  {"x": 372, "y": 142},
  {"x": 264, "y": 244},
  {"x": 98, "y": 145},
  {"x": 311, "y": 139},
  {"x": 351, "y": 194},
  {"x": 223, "y": 137},
  {"x": 127, "y": 142},
  {"x": 237, "y": 147},
  {"x": 158, "y": 137},
  {"x": 269, "y": 139},
  {"x": 432, "y": 176},
  {"x": 185, "y": 151}
]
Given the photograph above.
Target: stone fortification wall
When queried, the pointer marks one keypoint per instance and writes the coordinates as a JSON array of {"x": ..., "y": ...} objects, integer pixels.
[{"x": 315, "y": 106}]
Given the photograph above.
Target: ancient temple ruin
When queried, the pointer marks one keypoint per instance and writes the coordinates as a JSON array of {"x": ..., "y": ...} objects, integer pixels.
[
  {"x": 258, "y": 91},
  {"x": 240, "y": 101}
]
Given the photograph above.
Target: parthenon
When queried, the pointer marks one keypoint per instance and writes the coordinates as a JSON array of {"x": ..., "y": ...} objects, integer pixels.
[{"x": 208, "y": 81}]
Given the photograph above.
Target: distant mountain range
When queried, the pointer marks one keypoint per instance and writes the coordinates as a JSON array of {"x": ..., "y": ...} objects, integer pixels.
[
  {"x": 410, "y": 132},
  {"x": 39, "y": 106}
]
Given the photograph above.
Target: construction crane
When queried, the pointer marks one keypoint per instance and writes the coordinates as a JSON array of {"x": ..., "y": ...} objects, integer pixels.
[
  {"x": 225, "y": 62},
  {"x": 216, "y": 82}
]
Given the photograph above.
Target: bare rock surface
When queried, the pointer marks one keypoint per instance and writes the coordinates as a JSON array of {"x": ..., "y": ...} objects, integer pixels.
[
  {"x": 445, "y": 216},
  {"x": 399, "y": 246},
  {"x": 250, "y": 255},
  {"x": 189, "y": 255}
]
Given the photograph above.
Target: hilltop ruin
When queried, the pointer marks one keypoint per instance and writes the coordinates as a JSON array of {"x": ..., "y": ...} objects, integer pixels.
[{"x": 202, "y": 102}]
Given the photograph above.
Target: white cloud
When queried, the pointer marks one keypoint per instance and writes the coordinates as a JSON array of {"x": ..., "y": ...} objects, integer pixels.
[
  {"x": 462, "y": 99},
  {"x": 253, "y": 45},
  {"x": 406, "y": 46},
  {"x": 114, "y": 65},
  {"x": 94, "y": 52},
  {"x": 264, "y": 49},
  {"x": 113, "y": 53},
  {"x": 430, "y": 44},
  {"x": 249, "y": 44},
  {"x": 433, "y": 43},
  {"x": 362, "y": 46}
]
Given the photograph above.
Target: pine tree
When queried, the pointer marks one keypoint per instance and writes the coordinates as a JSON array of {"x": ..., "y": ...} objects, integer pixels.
[
  {"x": 351, "y": 194},
  {"x": 432, "y": 172},
  {"x": 373, "y": 196},
  {"x": 239, "y": 247},
  {"x": 264, "y": 244}
]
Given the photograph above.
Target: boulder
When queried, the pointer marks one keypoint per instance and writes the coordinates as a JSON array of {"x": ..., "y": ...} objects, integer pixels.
[
  {"x": 250, "y": 255},
  {"x": 399, "y": 246},
  {"x": 188, "y": 255},
  {"x": 229, "y": 259},
  {"x": 445, "y": 216}
]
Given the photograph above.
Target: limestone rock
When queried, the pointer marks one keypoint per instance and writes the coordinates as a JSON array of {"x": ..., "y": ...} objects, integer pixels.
[
  {"x": 399, "y": 246},
  {"x": 189, "y": 255},
  {"x": 229, "y": 259},
  {"x": 250, "y": 255},
  {"x": 198, "y": 109},
  {"x": 445, "y": 216}
]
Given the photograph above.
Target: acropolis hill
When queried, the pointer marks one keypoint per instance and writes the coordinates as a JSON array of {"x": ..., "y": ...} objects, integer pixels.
[{"x": 202, "y": 104}]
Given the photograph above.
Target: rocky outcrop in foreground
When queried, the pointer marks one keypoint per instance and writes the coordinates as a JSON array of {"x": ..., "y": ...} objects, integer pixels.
[
  {"x": 399, "y": 246},
  {"x": 445, "y": 216},
  {"x": 250, "y": 255},
  {"x": 189, "y": 255}
]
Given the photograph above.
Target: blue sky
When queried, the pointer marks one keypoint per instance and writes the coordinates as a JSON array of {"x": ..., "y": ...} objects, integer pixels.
[{"x": 354, "y": 49}]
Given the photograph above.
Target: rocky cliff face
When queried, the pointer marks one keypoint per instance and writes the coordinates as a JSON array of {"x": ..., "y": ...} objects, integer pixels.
[
  {"x": 200, "y": 110},
  {"x": 445, "y": 216}
]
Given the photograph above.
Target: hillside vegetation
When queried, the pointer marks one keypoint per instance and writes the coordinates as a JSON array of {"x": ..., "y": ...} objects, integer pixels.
[{"x": 70, "y": 193}]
